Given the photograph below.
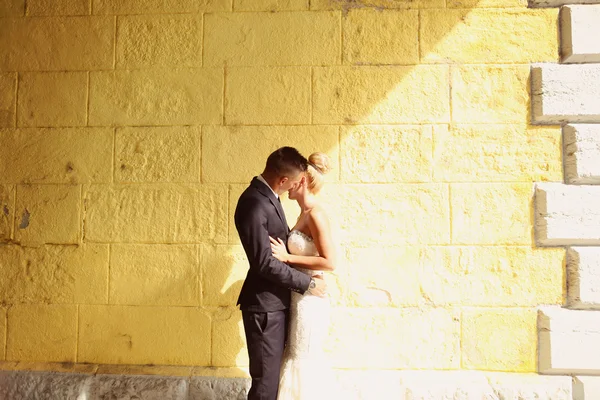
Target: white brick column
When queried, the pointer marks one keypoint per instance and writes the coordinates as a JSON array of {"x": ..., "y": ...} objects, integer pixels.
[
  {"x": 580, "y": 33},
  {"x": 583, "y": 278},
  {"x": 581, "y": 153}
]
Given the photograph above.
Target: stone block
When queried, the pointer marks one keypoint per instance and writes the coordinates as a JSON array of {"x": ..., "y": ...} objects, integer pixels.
[
  {"x": 229, "y": 348},
  {"x": 565, "y": 93},
  {"x": 567, "y": 215},
  {"x": 120, "y": 7},
  {"x": 581, "y": 153},
  {"x": 12, "y": 8},
  {"x": 558, "y": 3},
  {"x": 138, "y": 387},
  {"x": 202, "y": 388},
  {"x": 270, "y": 5},
  {"x": 583, "y": 277},
  {"x": 268, "y": 96},
  {"x": 346, "y": 5},
  {"x": 223, "y": 270},
  {"x": 8, "y": 99},
  {"x": 182, "y": 96},
  {"x": 586, "y": 387},
  {"x": 378, "y": 95},
  {"x": 56, "y": 44},
  {"x": 580, "y": 28},
  {"x": 163, "y": 275},
  {"x": 496, "y": 153},
  {"x": 143, "y": 335},
  {"x": 7, "y": 212},
  {"x": 26, "y": 385},
  {"x": 58, "y": 7},
  {"x": 272, "y": 39},
  {"x": 158, "y": 154},
  {"x": 381, "y": 37},
  {"x": 42, "y": 332}
]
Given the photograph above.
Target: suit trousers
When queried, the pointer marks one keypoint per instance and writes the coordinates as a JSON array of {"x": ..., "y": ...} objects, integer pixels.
[{"x": 265, "y": 336}]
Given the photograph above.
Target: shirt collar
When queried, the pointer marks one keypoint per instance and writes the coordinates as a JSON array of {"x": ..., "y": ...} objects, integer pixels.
[{"x": 260, "y": 178}]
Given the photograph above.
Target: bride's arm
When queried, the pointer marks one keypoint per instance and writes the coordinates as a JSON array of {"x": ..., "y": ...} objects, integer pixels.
[{"x": 318, "y": 225}]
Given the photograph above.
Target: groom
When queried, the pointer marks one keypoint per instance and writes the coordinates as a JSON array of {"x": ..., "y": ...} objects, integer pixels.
[{"x": 265, "y": 295}]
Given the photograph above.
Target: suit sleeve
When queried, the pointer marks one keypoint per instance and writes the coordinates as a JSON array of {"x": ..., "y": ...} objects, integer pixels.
[{"x": 252, "y": 228}]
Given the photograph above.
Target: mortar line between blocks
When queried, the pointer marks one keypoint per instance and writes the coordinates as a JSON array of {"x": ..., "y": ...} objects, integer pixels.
[
  {"x": 312, "y": 107},
  {"x": 223, "y": 101},
  {"x": 200, "y": 169},
  {"x": 108, "y": 275},
  {"x": 17, "y": 80},
  {"x": 450, "y": 213},
  {"x": 91, "y": 7},
  {"x": 419, "y": 36},
  {"x": 114, "y": 156},
  {"x": 6, "y": 333},
  {"x": 203, "y": 40},
  {"x": 87, "y": 113},
  {"x": 116, "y": 31},
  {"x": 77, "y": 334}
]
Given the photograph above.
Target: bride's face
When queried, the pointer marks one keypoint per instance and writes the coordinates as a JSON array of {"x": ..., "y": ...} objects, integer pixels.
[{"x": 297, "y": 191}]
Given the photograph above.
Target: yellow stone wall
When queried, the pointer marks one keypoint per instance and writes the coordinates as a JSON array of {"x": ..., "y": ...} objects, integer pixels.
[{"x": 128, "y": 129}]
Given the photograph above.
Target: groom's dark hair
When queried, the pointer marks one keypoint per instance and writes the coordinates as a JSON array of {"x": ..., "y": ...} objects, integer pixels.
[{"x": 286, "y": 161}]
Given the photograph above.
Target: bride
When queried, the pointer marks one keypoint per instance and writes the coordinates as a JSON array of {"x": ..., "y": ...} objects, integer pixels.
[{"x": 312, "y": 252}]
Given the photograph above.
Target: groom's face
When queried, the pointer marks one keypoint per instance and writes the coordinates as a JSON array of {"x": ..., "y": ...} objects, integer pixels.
[{"x": 291, "y": 182}]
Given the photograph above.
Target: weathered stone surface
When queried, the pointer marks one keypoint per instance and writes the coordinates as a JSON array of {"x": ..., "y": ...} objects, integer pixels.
[
  {"x": 12, "y": 8},
  {"x": 580, "y": 28},
  {"x": 58, "y": 7},
  {"x": 582, "y": 153},
  {"x": 491, "y": 213},
  {"x": 64, "y": 155},
  {"x": 222, "y": 160},
  {"x": 166, "y": 213},
  {"x": 156, "y": 97},
  {"x": 40, "y": 92},
  {"x": 468, "y": 4},
  {"x": 488, "y": 153},
  {"x": 158, "y": 154},
  {"x": 488, "y": 36},
  {"x": 223, "y": 270},
  {"x": 346, "y": 5},
  {"x": 157, "y": 275},
  {"x": 42, "y": 332},
  {"x": 169, "y": 40},
  {"x": 137, "y": 387},
  {"x": 565, "y": 93},
  {"x": 268, "y": 96},
  {"x": 404, "y": 153},
  {"x": 270, "y": 5},
  {"x": 206, "y": 388},
  {"x": 499, "y": 339},
  {"x": 159, "y": 6},
  {"x": 26, "y": 385},
  {"x": 129, "y": 369},
  {"x": 228, "y": 339},
  {"x": 567, "y": 215},
  {"x": 54, "y": 274},
  {"x": 586, "y": 387},
  {"x": 143, "y": 335},
  {"x": 378, "y": 95},
  {"x": 490, "y": 94},
  {"x": 56, "y": 44},
  {"x": 490, "y": 276},
  {"x": 558, "y": 3},
  {"x": 530, "y": 386},
  {"x": 8, "y": 99},
  {"x": 286, "y": 38},
  {"x": 454, "y": 385},
  {"x": 381, "y": 37},
  {"x": 583, "y": 279},
  {"x": 7, "y": 212},
  {"x": 47, "y": 214}
]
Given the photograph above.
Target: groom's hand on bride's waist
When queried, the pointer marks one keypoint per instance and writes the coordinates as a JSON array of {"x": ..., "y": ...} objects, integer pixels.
[{"x": 319, "y": 288}]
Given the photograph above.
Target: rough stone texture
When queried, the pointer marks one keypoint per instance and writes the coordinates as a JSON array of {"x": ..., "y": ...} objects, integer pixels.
[
  {"x": 530, "y": 387},
  {"x": 7, "y": 212},
  {"x": 558, "y": 3},
  {"x": 54, "y": 274},
  {"x": 149, "y": 40},
  {"x": 12, "y": 8},
  {"x": 56, "y": 44},
  {"x": 567, "y": 215},
  {"x": 229, "y": 347},
  {"x": 346, "y": 5},
  {"x": 490, "y": 276},
  {"x": 392, "y": 338},
  {"x": 63, "y": 155},
  {"x": 159, "y": 6},
  {"x": 137, "y": 387},
  {"x": 123, "y": 334},
  {"x": 381, "y": 37},
  {"x": 42, "y": 332},
  {"x": 565, "y": 93},
  {"x": 491, "y": 213},
  {"x": 268, "y": 95},
  {"x": 488, "y": 36},
  {"x": 58, "y": 7},
  {"x": 206, "y": 388},
  {"x": 568, "y": 341},
  {"x": 583, "y": 279},
  {"x": 47, "y": 214},
  {"x": 468, "y": 4},
  {"x": 404, "y": 154},
  {"x": 39, "y": 92},
  {"x": 270, "y": 5},
  {"x": 163, "y": 275},
  {"x": 222, "y": 160},
  {"x": 287, "y": 38},
  {"x": 378, "y": 95},
  {"x": 166, "y": 213},
  {"x": 8, "y": 96},
  {"x": 188, "y": 96},
  {"x": 490, "y": 94},
  {"x": 586, "y": 387},
  {"x": 28, "y": 385},
  {"x": 148, "y": 154},
  {"x": 582, "y": 153},
  {"x": 580, "y": 28},
  {"x": 499, "y": 339},
  {"x": 223, "y": 270},
  {"x": 488, "y": 153}
]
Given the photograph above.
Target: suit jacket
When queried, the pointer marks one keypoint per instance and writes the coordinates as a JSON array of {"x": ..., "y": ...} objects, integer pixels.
[{"x": 269, "y": 281}]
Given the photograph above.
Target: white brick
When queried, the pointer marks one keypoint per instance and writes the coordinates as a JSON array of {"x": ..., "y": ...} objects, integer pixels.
[
  {"x": 582, "y": 153},
  {"x": 565, "y": 93},
  {"x": 586, "y": 387},
  {"x": 558, "y": 3},
  {"x": 567, "y": 215},
  {"x": 580, "y": 30},
  {"x": 583, "y": 281},
  {"x": 568, "y": 341}
]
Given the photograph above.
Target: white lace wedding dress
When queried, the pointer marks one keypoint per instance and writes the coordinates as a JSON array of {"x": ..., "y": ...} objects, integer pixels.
[{"x": 305, "y": 373}]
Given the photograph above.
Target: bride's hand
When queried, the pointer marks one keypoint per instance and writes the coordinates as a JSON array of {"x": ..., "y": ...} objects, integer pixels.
[{"x": 279, "y": 250}]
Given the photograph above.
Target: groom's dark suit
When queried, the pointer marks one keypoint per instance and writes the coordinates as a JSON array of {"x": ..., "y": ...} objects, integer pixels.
[{"x": 265, "y": 295}]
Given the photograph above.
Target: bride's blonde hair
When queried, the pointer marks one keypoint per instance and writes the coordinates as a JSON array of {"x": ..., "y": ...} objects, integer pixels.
[{"x": 319, "y": 164}]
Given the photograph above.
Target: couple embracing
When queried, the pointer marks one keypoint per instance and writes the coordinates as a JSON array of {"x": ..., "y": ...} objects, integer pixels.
[{"x": 284, "y": 302}]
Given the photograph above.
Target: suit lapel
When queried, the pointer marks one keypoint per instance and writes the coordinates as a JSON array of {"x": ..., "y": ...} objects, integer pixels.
[{"x": 264, "y": 190}]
